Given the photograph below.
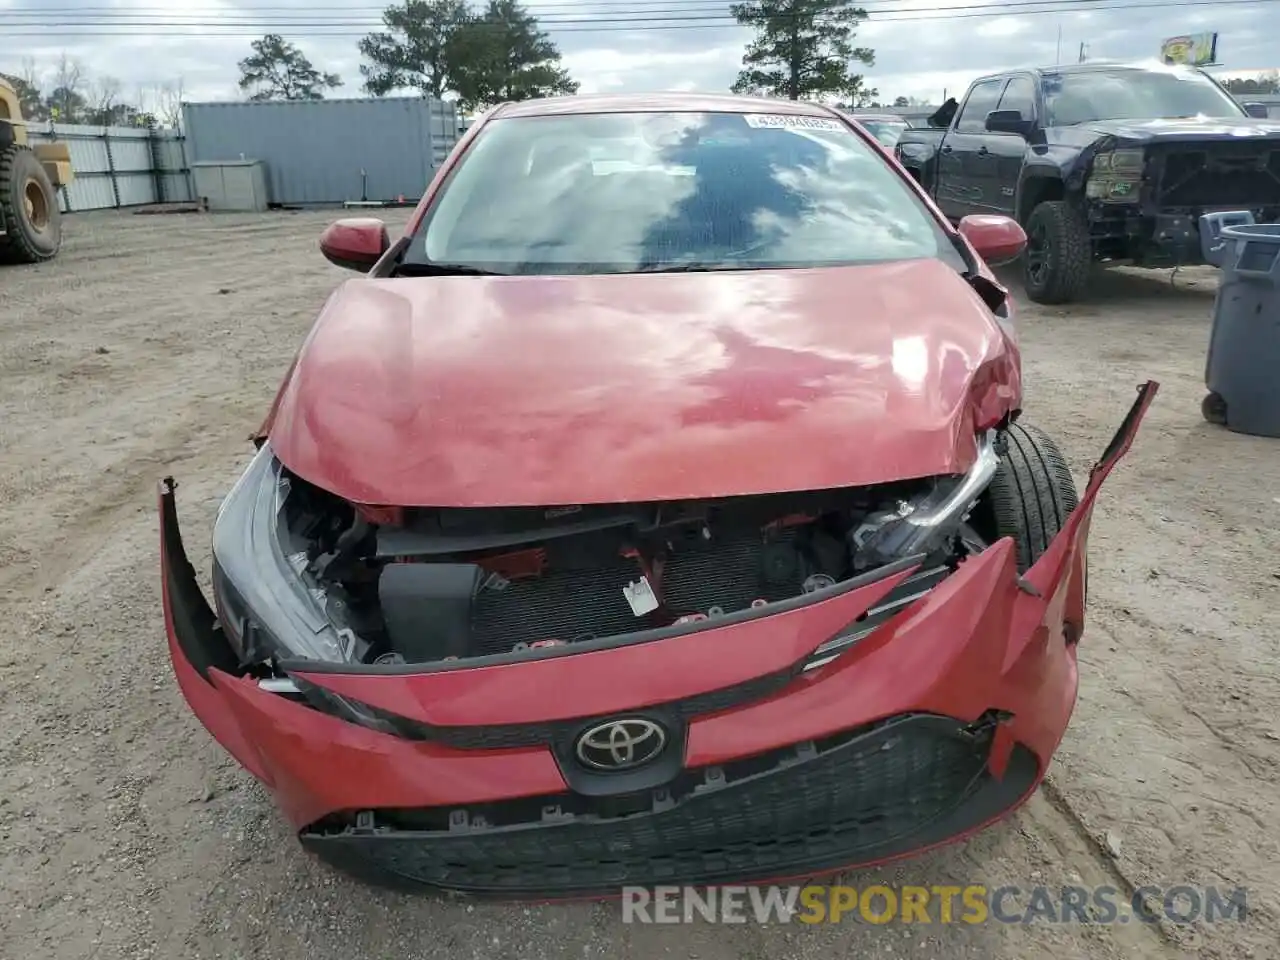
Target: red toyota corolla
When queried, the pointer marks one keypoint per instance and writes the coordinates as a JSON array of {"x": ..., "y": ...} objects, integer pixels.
[{"x": 656, "y": 510}]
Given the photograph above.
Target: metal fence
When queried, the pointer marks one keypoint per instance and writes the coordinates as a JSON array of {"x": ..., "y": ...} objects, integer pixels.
[
  {"x": 329, "y": 151},
  {"x": 119, "y": 166}
]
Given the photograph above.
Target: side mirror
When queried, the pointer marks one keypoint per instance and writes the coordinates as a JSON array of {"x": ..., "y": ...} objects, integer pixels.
[
  {"x": 1259, "y": 111},
  {"x": 355, "y": 244},
  {"x": 996, "y": 239},
  {"x": 1008, "y": 121}
]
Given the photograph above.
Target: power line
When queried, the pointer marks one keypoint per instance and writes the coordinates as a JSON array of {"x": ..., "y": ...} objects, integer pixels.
[
  {"x": 598, "y": 8},
  {"x": 118, "y": 26},
  {"x": 608, "y": 11},
  {"x": 593, "y": 8},
  {"x": 535, "y": 10},
  {"x": 532, "y": 8}
]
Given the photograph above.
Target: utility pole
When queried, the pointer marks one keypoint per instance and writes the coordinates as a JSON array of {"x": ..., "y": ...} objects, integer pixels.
[
  {"x": 1057, "y": 57},
  {"x": 1084, "y": 52}
]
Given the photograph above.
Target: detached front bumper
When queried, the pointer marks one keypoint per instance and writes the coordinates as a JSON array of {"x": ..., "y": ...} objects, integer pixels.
[{"x": 930, "y": 727}]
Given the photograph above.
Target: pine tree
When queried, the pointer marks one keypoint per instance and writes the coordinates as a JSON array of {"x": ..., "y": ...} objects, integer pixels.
[
  {"x": 414, "y": 50},
  {"x": 502, "y": 55},
  {"x": 280, "y": 71},
  {"x": 803, "y": 49}
]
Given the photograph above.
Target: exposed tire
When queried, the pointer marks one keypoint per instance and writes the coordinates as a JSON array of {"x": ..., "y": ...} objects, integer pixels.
[
  {"x": 1059, "y": 254},
  {"x": 1214, "y": 409},
  {"x": 1032, "y": 494},
  {"x": 28, "y": 209}
]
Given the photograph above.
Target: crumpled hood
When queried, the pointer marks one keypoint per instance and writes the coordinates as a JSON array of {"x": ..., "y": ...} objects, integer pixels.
[
  {"x": 1169, "y": 131},
  {"x": 477, "y": 391}
]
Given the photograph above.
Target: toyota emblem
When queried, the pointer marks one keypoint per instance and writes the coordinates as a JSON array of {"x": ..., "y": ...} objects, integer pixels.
[{"x": 621, "y": 744}]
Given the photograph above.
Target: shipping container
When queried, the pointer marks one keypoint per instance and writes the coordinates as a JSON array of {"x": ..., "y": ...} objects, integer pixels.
[{"x": 328, "y": 151}]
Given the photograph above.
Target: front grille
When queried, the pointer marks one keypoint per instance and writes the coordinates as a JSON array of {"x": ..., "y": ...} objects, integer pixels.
[
  {"x": 1245, "y": 174},
  {"x": 559, "y": 732},
  {"x": 906, "y": 783}
]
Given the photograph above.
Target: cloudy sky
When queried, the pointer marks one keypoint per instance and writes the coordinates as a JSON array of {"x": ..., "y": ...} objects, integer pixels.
[{"x": 922, "y": 47}]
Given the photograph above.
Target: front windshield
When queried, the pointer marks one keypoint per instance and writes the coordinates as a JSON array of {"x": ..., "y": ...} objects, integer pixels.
[
  {"x": 630, "y": 192},
  {"x": 1132, "y": 94}
]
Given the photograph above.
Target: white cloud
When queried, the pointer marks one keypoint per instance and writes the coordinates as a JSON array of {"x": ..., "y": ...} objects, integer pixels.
[
  {"x": 1003, "y": 27},
  {"x": 605, "y": 70}
]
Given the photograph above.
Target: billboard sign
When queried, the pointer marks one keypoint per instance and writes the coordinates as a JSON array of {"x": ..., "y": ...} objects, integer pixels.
[{"x": 1196, "y": 49}]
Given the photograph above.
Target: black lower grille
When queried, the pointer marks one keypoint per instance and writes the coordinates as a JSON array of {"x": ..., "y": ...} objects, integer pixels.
[
  {"x": 558, "y": 732},
  {"x": 1244, "y": 174},
  {"x": 579, "y": 603},
  {"x": 904, "y": 784}
]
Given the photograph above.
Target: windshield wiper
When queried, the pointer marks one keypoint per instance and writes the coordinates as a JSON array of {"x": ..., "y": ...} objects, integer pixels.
[
  {"x": 444, "y": 270},
  {"x": 693, "y": 266}
]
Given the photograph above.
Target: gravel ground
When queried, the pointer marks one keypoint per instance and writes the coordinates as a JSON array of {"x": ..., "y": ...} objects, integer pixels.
[{"x": 154, "y": 345}]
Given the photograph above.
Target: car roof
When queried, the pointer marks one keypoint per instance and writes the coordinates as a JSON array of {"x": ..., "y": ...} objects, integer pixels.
[
  {"x": 1093, "y": 66},
  {"x": 1100, "y": 66},
  {"x": 660, "y": 102}
]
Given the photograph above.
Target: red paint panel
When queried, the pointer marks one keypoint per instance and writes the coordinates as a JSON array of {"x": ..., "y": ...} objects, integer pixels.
[
  {"x": 609, "y": 681},
  {"x": 507, "y": 391}
]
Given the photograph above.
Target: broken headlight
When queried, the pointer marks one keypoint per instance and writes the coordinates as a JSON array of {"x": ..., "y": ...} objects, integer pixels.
[
  {"x": 1116, "y": 176},
  {"x": 267, "y": 602},
  {"x": 923, "y": 524}
]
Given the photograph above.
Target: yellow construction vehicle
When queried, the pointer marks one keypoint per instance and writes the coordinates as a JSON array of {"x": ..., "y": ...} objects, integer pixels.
[{"x": 30, "y": 224}]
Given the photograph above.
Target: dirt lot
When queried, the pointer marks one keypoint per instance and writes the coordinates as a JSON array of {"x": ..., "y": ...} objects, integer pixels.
[{"x": 154, "y": 344}]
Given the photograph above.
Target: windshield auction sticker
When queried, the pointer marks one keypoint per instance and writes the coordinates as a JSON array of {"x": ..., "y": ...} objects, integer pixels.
[{"x": 778, "y": 121}]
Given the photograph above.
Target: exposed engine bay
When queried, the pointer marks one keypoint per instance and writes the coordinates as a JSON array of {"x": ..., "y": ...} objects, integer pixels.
[{"x": 446, "y": 584}]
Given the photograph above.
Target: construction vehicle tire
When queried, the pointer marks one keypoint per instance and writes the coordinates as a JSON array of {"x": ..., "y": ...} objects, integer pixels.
[{"x": 28, "y": 209}]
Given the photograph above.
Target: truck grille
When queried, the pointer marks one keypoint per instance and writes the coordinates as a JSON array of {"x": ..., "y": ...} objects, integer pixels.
[{"x": 1245, "y": 175}]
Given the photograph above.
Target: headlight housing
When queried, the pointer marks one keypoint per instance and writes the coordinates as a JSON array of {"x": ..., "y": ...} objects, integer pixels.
[
  {"x": 916, "y": 527},
  {"x": 921, "y": 525},
  {"x": 1116, "y": 176},
  {"x": 267, "y": 601}
]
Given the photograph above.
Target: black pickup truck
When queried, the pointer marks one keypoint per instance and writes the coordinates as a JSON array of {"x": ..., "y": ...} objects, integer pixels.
[{"x": 1098, "y": 162}]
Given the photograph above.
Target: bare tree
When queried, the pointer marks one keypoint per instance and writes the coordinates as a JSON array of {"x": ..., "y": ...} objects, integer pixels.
[
  {"x": 68, "y": 73},
  {"x": 104, "y": 93},
  {"x": 104, "y": 103},
  {"x": 168, "y": 103},
  {"x": 144, "y": 97},
  {"x": 27, "y": 84},
  {"x": 30, "y": 74},
  {"x": 66, "y": 98}
]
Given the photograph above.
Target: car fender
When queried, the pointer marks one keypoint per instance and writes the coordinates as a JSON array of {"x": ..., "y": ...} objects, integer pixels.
[{"x": 1049, "y": 581}]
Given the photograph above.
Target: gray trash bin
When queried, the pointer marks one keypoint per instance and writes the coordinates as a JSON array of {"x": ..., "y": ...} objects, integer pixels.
[
  {"x": 1242, "y": 371},
  {"x": 1213, "y": 246}
]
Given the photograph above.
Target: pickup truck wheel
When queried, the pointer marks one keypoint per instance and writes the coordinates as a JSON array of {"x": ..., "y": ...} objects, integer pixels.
[{"x": 1059, "y": 255}]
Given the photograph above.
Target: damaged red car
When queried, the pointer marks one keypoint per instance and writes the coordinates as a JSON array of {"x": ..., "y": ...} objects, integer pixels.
[{"x": 656, "y": 509}]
